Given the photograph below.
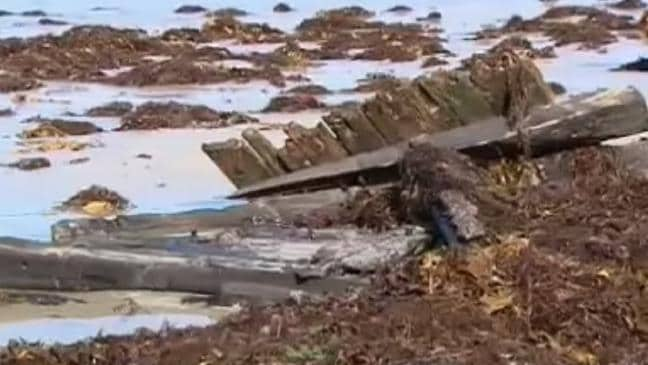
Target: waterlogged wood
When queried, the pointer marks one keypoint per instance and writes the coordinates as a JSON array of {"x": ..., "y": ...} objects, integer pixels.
[
  {"x": 582, "y": 120},
  {"x": 179, "y": 226},
  {"x": 261, "y": 263}
]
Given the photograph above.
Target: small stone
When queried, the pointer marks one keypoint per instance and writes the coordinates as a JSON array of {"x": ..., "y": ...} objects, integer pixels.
[
  {"x": 144, "y": 156},
  {"x": 190, "y": 9},
  {"x": 282, "y": 8},
  {"x": 5, "y": 13}
]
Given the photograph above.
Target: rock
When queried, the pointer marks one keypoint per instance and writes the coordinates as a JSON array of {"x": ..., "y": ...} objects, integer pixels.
[
  {"x": 92, "y": 197},
  {"x": 293, "y": 103},
  {"x": 628, "y": 4},
  {"x": 432, "y": 16},
  {"x": 399, "y": 9},
  {"x": 282, "y": 8},
  {"x": 228, "y": 12},
  {"x": 12, "y": 83},
  {"x": 34, "y": 13},
  {"x": 640, "y": 65},
  {"x": 190, "y": 9},
  {"x": 144, "y": 156},
  {"x": 310, "y": 89},
  {"x": 557, "y": 88},
  {"x": 7, "y": 112},
  {"x": 154, "y": 115},
  {"x": 5, "y": 13},
  {"x": 30, "y": 164},
  {"x": 111, "y": 109},
  {"x": 49, "y": 21},
  {"x": 60, "y": 128}
]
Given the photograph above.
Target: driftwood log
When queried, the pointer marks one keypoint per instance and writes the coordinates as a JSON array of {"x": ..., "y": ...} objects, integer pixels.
[
  {"x": 259, "y": 264},
  {"x": 580, "y": 121}
]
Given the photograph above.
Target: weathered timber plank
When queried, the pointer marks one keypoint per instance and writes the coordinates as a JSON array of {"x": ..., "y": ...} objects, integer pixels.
[{"x": 582, "y": 120}]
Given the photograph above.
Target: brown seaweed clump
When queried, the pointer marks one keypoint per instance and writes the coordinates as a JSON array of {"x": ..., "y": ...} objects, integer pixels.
[
  {"x": 153, "y": 115},
  {"x": 96, "y": 201}
]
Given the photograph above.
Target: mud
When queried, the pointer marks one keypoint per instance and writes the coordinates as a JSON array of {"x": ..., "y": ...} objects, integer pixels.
[
  {"x": 153, "y": 115},
  {"x": 293, "y": 103},
  {"x": 80, "y": 201}
]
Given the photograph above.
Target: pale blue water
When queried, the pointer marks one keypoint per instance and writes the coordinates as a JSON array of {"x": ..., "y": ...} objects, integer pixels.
[
  {"x": 67, "y": 331},
  {"x": 180, "y": 177}
]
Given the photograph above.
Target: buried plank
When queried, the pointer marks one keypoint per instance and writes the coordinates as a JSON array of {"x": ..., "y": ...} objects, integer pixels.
[
  {"x": 178, "y": 226},
  {"x": 263, "y": 265},
  {"x": 582, "y": 120}
]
